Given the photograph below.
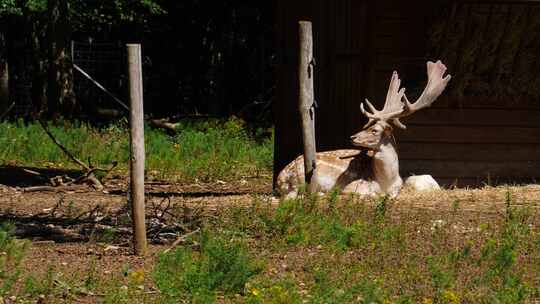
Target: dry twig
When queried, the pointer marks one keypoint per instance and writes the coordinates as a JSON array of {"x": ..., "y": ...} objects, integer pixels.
[
  {"x": 89, "y": 169},
  {"x": 182, "y": 239}
]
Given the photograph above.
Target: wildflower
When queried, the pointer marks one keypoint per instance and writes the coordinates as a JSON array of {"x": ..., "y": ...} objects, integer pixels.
[
  {"x": 450, "y": 297},
  {"x": 137, "y": 276},
  {"x": 256, "y": 292}
]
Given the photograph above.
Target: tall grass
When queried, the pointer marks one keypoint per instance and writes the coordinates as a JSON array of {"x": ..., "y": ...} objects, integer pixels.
[{"x": 205, "y": 150}]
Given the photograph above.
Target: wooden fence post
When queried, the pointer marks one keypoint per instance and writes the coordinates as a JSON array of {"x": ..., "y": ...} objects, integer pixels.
[
  {"x": 137, "y": 147},
  {"x": 306, "y": 103}
]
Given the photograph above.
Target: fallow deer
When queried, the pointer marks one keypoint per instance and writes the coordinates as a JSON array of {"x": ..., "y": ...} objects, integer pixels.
[{"x": 351, "y": 170}]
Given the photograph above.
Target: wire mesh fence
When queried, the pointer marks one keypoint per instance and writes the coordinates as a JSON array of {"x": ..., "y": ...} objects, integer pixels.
[
  {"x": 102, "y": 61},
  {"x": 105, "y": 63}
]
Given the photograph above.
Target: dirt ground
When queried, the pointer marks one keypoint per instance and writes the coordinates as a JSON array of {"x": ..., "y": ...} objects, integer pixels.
[
  {"x": 49, "y": 218},
  {"x": 65, "y": 224}
]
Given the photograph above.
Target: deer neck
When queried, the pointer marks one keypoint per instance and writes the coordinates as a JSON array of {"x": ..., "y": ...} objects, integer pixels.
[{"x": 386, "y": 167}]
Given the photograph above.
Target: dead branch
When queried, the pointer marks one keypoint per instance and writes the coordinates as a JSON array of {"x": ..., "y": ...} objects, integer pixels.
[
  {"x": 164, "y": 124},
  {"x": 64, "y": 188},
  {"x": 31, "y": 172},
  {"x": 89, "y": 169},
  {"x": 64, "y": 149},
  {"x": 42, "y": 188}
]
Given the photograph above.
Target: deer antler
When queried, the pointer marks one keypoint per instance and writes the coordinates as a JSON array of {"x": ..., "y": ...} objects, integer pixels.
[
  {"x": 397, "y": 105},
  {"x": 393, "y": 105},
  {"x": 435, "y": 86}
]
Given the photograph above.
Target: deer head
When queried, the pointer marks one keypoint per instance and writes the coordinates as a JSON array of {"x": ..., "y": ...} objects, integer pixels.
[{"x": 380, "y": 124}]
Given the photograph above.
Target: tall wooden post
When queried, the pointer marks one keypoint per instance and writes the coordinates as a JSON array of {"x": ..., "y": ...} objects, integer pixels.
[
  {"x": 137, "y": 147},
  {"x": 306, "y": 102}
]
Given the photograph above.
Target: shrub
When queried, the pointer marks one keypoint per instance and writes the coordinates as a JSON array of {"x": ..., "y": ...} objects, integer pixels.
[{"x": 222, "y": 265}]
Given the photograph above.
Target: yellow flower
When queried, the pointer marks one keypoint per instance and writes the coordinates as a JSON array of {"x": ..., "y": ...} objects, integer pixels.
[
  {"x": 137, "y": 276},
  {"x": 427, "y": 301},
  {"x": 255, "y": 292},
  {"x": 450, "y": 297}
]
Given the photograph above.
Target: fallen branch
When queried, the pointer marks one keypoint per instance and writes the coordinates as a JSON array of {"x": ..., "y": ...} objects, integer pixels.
[
  {"x": 89, "y": 169},
  {"x": 31, "y": 172},
  {"x": 164, "y": 124},
  {"x": 60, "y": 188},
  {"x": 64, "y": 149}
]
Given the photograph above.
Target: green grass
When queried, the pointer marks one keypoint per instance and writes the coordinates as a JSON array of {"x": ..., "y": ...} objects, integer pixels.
[
  {"x": 11, "y": 255},
  {"x": 206, "y": 150},
  {"x": 336, "y": 250},
  {"x": 347, "y": 251},
  {"x": 221, "y": 265}
]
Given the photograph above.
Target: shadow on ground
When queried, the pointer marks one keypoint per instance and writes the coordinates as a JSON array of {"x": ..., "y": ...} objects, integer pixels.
[{"x": 14, "y": 176}]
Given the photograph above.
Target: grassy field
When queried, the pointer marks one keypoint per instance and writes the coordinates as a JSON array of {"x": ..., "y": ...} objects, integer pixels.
[
  {"x": 224, "y": 150},
  {"x": 331, "y": 249},
  {"x": 444, "y": 247}
]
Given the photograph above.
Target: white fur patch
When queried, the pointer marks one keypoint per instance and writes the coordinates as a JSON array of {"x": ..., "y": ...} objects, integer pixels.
[{"x": 422, "y": 183}]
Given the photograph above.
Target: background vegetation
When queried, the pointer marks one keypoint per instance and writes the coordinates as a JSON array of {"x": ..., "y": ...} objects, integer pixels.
[
  {"x": 200, "y": 56},
  {"x": 206, "y": 150}
]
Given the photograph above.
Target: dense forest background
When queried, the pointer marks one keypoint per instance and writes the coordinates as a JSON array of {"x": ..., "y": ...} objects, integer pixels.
[{"x": 201, "y": 57}]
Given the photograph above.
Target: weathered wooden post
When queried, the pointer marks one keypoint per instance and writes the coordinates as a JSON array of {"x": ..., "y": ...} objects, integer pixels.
[
  {"x": 306, "y": 102},
  {"x": 137, "y": 147}
]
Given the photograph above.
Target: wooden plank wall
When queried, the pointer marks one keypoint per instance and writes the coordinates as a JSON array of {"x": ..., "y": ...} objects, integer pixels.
[
  {"x": 470, "y": 141},
  {"x": 359, "y": 43},
  {"x": 473, "y": 145}
]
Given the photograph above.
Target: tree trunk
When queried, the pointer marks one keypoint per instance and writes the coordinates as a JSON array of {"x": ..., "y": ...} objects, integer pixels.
[
  {"x": 60, "y": 93},
  {"x": 16, "y": 59},
  {"x": 4, "y": 75},
  {"x": 39, "y": 65}
]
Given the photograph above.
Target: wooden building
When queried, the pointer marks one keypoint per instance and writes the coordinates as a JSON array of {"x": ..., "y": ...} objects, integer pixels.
[{"x": 486, "y": 127}]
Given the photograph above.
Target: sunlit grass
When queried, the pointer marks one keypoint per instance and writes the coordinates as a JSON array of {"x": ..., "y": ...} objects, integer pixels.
[{"x": 206, "y": 151}]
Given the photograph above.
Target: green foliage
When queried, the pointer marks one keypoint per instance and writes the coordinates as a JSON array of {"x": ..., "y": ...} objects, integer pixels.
[
  {"x": 328, "y": 291},
  {"x": 283, "y": 292},
  {"x": 211, "y": 149},
  {"x": 13, "y": 7},
  {"x": 89, "y": 13},
  {"x": 40, "y": 286},
  {"x": 222, "y": 265},
  {"x": 313, "y": 221},
  {"x": 501, "y": 251},
  {"x": 206, "y": 150},
  {"x": 11, "y": 256}
]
